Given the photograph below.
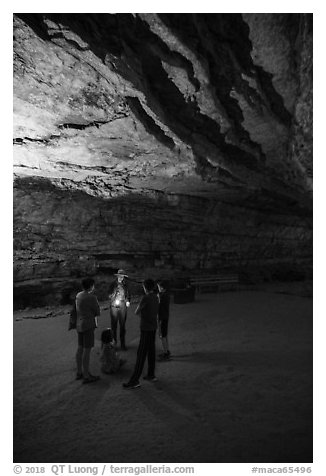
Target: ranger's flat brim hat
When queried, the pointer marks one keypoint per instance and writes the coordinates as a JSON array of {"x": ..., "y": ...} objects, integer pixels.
[{"x": 121, "y": 272}]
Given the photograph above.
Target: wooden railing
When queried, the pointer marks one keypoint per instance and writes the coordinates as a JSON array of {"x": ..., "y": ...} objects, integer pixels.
[{"x": 216, "y": 281}]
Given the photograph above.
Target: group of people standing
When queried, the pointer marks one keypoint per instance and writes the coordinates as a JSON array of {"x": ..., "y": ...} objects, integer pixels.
[{"x": 153, "y": 310}]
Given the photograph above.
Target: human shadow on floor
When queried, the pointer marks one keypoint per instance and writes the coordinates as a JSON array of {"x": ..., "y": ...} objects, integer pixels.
[{"x": 250, "y": 357}]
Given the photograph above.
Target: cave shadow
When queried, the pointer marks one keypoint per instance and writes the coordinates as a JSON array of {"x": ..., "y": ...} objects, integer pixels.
[
  {"x": 236, "y": 381},
  {"x": 99, "y": 211},
  {"x": 251, "y": 358}
]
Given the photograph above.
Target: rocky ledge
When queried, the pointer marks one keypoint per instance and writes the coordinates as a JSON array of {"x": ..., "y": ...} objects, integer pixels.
[{"x": 162, "y": 143}]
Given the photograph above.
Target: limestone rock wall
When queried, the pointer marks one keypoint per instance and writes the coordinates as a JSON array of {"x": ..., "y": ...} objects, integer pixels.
[
  {"x": 64, "y": 235},
  {"x": 161, "y": 143}
]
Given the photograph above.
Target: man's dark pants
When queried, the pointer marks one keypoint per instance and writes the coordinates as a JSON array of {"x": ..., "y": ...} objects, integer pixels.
[
  {"x": 146, "y": 347},
  {"x": 119, "y": 314}
]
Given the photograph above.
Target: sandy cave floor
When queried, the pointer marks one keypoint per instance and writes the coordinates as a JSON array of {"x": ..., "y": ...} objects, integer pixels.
[{"x": 239, "y": 387}]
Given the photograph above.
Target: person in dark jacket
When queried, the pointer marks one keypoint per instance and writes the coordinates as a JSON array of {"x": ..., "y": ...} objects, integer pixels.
[
  {"x": 119, "y": 297},
  {"x": 163, "y": 318},
  {"x": 148, "y": 311},
  {"x": 88, "y": 310}
]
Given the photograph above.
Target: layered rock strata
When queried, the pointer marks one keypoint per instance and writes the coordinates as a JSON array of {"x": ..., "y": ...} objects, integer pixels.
[{"x": 161, "y": 143}]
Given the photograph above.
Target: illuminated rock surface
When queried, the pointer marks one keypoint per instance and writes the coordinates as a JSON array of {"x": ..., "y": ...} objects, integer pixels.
[{"x": 160, "y": 143}]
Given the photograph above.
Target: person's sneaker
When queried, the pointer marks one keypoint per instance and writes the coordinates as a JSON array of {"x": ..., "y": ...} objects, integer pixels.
[
  {"x": 131, "y": 385},
  {"x": 151, "y": 379}
]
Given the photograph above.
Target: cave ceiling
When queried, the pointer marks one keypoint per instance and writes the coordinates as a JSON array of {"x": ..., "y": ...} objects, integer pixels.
[{"x": 214, "y": 105}]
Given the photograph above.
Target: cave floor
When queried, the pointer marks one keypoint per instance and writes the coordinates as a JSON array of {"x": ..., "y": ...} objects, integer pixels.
[{"x": 239, "y": 387}]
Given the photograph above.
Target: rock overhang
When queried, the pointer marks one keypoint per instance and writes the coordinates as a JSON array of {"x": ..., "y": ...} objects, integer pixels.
[
  {"x": 151, "y": 98},
  {"x": 160, "y": 142}
]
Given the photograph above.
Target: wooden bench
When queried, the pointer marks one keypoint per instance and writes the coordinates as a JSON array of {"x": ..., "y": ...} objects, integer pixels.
[{"x": 210, "y": 281}]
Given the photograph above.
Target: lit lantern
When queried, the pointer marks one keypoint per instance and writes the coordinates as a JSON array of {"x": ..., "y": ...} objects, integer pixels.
[{"x": 117, "y": 302}]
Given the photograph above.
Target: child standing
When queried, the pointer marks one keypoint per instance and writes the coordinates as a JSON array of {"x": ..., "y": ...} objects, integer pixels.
[
  {"x": 110, "y": 359},
  {"x": 163, "y": 318}
]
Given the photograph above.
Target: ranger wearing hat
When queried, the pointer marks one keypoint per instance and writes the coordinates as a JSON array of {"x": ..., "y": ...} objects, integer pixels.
[{"x": 119, "y": 298}]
